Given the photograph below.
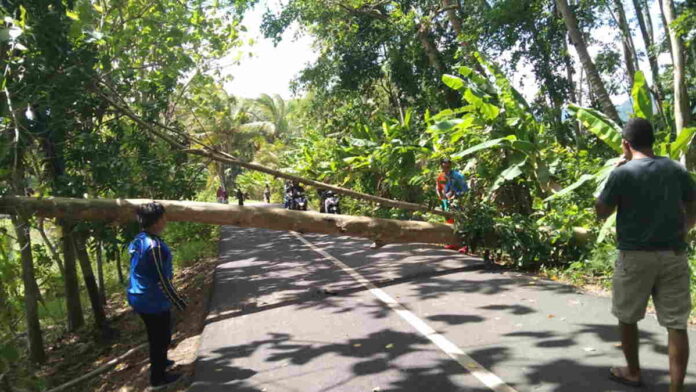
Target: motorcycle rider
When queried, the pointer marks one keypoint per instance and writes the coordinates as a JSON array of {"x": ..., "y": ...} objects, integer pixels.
[{"x": 295, "y": 190}]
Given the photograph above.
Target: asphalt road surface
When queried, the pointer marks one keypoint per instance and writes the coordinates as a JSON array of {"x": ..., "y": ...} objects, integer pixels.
[{"x": 309, "y": 313}]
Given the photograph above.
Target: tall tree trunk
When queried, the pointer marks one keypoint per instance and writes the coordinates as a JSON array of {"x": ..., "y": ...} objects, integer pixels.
[
  {"x": 425, "y": 37},
  {"x": 649, "y": 47},
  {"x": 51, "y": 248},
  {"x": 32, "y": 294},
  {"x": 72, "y": 287},
  {"x": 80, "y": 243},
  {"x": 119, "y": 270},
  {"x": 681, "y": 97},
  {"x": 665, "y": 24},
  {"x": 648, "y": 18},
  {"x": 31, "y": 289},
  {"x": 629, "y": 49},
  {"x": 592, "y": 74},
  {"x": 450, "y": 7},
  {"x": 100, "y": 273}
]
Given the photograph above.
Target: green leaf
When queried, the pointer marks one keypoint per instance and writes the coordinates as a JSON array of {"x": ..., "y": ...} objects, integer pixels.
[
  {"x": 679, "y": 146},
  {"x": 489, "y": 111},
  {"x": 72, "y": 15},
  {"x": 606, "y": 228},
  {"x": 446, "y": 125},
  {"x": 453, "y": 82},
  {"x": 642, "y": 104},
  {"x": 506, "y": 175},
  {"x": 577, "y": 184},
  {"x": 599, "y": 124},
  {"x": 485, "y": 145}
]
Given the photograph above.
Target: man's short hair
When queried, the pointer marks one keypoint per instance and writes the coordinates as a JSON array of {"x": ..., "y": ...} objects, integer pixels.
[
  {"x": 148, "y": 214},
  {"x": 638, "y": 132},
  {"x": 445, "y": 160}
]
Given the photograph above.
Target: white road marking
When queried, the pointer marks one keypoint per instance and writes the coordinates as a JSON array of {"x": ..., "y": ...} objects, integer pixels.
[{"x": 476, "y": 369}]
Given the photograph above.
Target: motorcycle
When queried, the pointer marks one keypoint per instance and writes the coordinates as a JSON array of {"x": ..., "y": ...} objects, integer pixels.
[
  {"x": 331, "y": 205},
  {"x": 298, "y": 201}
]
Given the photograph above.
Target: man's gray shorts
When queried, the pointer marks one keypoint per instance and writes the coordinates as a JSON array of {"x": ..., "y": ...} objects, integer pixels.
[{"x": 663, "y": 274}]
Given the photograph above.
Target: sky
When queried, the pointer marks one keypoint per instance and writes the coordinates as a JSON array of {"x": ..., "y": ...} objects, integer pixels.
[{"x": 271, "y": 68}]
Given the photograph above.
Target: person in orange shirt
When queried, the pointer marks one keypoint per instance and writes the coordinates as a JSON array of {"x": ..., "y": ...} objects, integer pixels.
[{"x": 440, "y": 189}]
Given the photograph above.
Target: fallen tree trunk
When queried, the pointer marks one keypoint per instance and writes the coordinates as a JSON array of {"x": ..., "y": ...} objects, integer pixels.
[{"x": 382, "y": 231}]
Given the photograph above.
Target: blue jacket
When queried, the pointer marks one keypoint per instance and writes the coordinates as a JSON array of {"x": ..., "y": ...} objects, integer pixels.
[
  {"x": 456, "y": 183},
  {"x": 150, "y": 287}
]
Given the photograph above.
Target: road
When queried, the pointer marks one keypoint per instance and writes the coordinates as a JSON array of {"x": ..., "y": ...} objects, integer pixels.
[{"x": 309, "y": 313}]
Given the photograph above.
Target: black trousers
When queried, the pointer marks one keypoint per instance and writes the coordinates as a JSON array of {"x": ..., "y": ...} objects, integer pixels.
[{"x": 159, "y": 336}]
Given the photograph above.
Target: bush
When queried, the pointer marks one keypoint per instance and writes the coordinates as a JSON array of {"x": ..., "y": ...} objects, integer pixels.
[{"x": 191, "y": 242}]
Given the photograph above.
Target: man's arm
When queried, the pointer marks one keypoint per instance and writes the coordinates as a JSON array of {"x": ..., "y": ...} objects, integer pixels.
[
  {"x": 603, "y": 210},
  {"x": 164, "y": 282}
]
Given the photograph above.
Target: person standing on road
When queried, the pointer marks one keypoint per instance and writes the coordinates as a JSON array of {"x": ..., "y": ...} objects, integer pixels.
[
  {"x": 450, "y": 186},
  {"x": 656, "y": 201},
  {"x": 240, "y": 197},
  {"x": 267, "y": 194},
  {"x": 150, "y": 291},
  {"x": 221, "y": 195}
]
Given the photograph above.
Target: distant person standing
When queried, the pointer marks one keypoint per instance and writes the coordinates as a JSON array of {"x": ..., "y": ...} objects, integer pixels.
[
  {"x": 150, "y": 291},
  {"x": 267, "y": 194},
  {"x": 240, "y": 197},
  {"x": 222, "y": 196},
  {"x": 656, "y": 201}
]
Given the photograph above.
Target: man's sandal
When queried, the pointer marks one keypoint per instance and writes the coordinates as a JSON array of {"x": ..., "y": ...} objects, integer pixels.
[{"x": 614, "y": 376}]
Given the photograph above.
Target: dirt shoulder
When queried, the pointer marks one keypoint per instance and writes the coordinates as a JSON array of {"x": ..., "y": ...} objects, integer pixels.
[{"x": 76, "y": 355}]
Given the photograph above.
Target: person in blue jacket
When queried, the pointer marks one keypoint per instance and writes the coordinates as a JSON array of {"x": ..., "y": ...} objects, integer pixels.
[{"x": 150, "y": 291}]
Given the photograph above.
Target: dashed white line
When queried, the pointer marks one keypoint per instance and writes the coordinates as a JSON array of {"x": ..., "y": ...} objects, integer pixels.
[{"x": 476, "y": 369}]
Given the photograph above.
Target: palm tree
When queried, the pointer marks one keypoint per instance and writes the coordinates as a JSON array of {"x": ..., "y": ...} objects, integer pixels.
[{"x": 275, "y": 111}]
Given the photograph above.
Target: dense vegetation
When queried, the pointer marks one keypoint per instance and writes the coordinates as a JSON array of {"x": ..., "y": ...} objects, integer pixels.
[{"x": 396, "y": 86}]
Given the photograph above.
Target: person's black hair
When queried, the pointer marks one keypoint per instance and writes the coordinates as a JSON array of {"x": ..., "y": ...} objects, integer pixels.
[
  {"x": 149, "y": 213},
  {"x": 445, "y": 160},
  {"x": 638, "y": 132}
]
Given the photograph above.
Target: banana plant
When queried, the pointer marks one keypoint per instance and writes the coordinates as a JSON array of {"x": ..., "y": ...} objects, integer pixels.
[
  {"x": 493, "y": 108},
  {"x": 610, "y": 133}
]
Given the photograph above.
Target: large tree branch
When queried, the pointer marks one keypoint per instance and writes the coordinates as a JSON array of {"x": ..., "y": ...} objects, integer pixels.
[{"x": 211, "y": 152}]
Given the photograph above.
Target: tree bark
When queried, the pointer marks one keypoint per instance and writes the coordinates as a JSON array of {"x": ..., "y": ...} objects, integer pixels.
[
  {"x": 425, "y": 37},
  {"x": 592, "y": 74},
  {"x": 80, "y": 245},
  {"x": 123, "y": 210},
  {"x": 51, "y": 248},
  {"x": 31, "y": 289},
  {"x": 681, "y": 97},
  {"x": 630, "y": 56},
  {"x": 72, "y": 287},
  {"x": 450, "y": 7},
  {"x": 649, "y": 47},
  {"x": 32, "y": 294},
  {"x": 119, "y": 270},
  {"x": 382, "y": 231},
  {"x": 665, "y": 24},
  {"x": 100, "y": 273}
]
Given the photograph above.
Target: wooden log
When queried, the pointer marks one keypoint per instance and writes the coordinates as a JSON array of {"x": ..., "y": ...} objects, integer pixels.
[{"x": 382, "y": 231}]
